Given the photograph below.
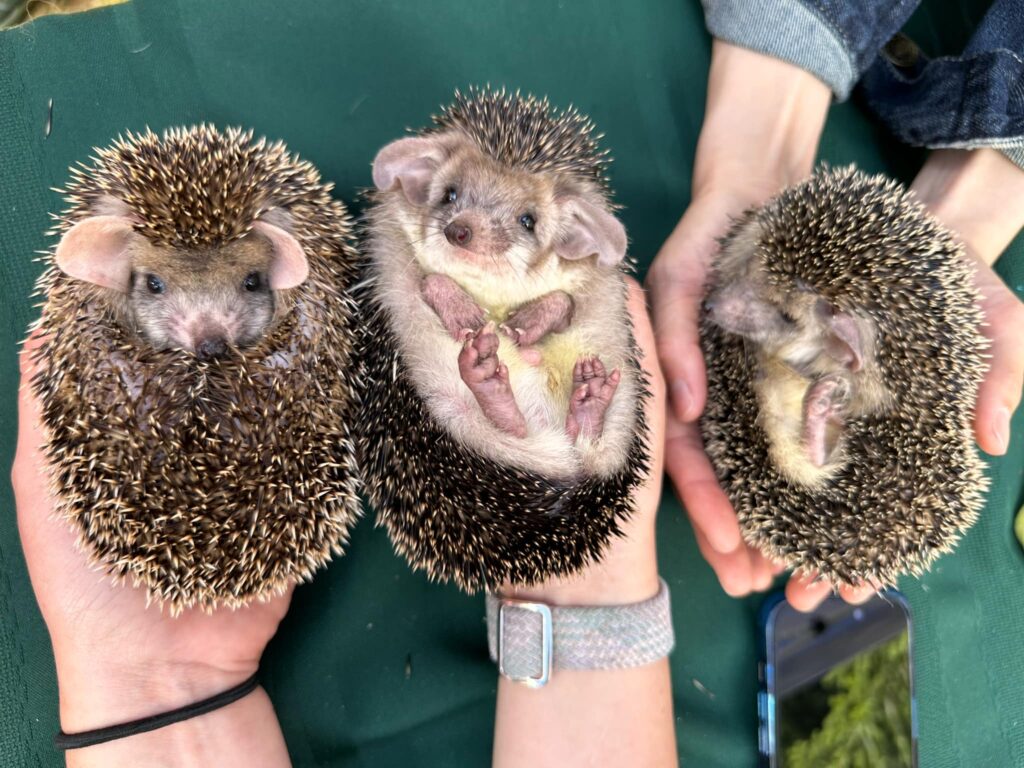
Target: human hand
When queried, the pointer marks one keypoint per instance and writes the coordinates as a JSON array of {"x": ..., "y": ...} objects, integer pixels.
[
  {"x": 979, "y": 194},
  {"x": 117, "y": 658},
  {"x": 761, "y": 128},
  {"x": 628, "y": 571},
  {"x": 607, "y": 717}
]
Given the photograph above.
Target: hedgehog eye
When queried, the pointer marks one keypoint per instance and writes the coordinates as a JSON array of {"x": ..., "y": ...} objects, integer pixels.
[
  {"x": 155, "y": 284},
  {"x": 252, "y": 281},
  {"x": 787, "y": 317},
  {"x": 528, "y": 222},
  {"x": 450, "y": 196}
]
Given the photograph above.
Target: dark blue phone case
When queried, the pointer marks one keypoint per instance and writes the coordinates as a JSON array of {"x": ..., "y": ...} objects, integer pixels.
[{"x": 767, "y": 672}]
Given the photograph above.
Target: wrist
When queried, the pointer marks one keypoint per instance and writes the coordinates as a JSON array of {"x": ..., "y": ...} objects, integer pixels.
[
  {"x": 96, "y": 692},
  {"x": 977, "y": 193},
  {"x": 762, "y": 123},
  {"x": 243, "y": 733}
]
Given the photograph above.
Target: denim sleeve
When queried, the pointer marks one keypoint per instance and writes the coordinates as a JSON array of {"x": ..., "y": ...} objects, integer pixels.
[
  {"x": 836, "y": 40},
  {"x": 968, "y": 101}
]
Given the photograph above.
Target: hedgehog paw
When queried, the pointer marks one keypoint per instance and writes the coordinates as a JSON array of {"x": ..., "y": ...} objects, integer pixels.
[
  {"x": 593, "y": 389},
  {"x": 824, "y": 411},
  {"x": 550, "y": 313},
  {"x": 487, "y": 378},
  {"x": 453, "y": 306}
]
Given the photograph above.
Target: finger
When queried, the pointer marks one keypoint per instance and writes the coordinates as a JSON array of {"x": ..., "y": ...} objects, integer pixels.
[
  {"x": 644, "y": 334},
  {"x": 468, "y": 355},
  {"x": 676, "y": 282},
  {"x": 731, "y": 568},
  {"x": 761, "y": 576},
  {"x": 486, "y": 344},
  {"x": 1000, "y": 392},
  {"x": 611, "y": 384},
  {"x": 805, "y": 594},
  {"x": 30, "y": 435},
  {"x": 857, "y": 595},
  {"x": 705, "y": 502},
  {"x": 675, "y": 305}
]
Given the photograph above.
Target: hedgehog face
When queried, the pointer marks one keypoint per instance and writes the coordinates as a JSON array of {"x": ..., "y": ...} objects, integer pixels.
[
  {"x": 489, "y": 217},
  {"x": 476, "y": 219},
  {"x": 785, "y": 317},
  {"x": 201, "y": 299},
  {"x": 816, "y": 364}
]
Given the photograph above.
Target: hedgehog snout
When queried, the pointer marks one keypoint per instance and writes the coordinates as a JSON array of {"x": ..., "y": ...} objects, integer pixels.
[
  {"x": 458, "y": 234},
  {"x": 211, "y": 347},
  {"x": 207, "y": 336},
  {"x": 478, "y": 233}
]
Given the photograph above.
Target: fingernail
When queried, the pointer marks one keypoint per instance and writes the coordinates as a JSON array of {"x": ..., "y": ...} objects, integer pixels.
[
  {"x": 1001, "y": 430},
  {"x": 681, "y": 399}
]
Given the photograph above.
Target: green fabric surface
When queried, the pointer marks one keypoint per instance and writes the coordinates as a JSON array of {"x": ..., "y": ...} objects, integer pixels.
[{"x": 374, "y": 666}]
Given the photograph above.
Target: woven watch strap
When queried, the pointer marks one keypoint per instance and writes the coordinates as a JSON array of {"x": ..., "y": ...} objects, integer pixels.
[{"x": 581, "y": 637}]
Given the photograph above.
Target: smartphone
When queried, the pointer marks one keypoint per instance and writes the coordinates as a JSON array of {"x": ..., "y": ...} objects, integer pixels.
[{"x": 837, "y": 685}]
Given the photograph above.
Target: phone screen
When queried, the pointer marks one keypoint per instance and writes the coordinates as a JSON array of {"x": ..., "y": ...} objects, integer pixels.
[{"x": 839, "y": 683}]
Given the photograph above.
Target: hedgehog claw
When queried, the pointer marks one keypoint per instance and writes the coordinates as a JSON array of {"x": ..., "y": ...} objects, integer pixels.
[{"x": 593, "y": 390}]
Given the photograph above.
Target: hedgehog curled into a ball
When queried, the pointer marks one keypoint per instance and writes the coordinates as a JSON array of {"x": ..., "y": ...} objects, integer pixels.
[
  {"x": 194, "y": 366},
  {"x": 501, "y": 431},
  {"x": 844, "y": 357}
]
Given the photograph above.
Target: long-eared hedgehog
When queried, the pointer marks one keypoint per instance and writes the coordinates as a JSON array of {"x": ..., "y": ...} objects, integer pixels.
[
  {"x": 844, "y": 356},
  {"x": 501, "y": 430},
  {"x": 194, "y": 371}
]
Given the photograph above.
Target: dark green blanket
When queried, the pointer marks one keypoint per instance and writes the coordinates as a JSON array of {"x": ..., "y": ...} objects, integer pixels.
[{"x": 374, "y": 666}]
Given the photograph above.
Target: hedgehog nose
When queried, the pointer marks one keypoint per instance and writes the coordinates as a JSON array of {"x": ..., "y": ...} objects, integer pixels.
[
  {"x": 458, "y": 234},
  {"x": 207, "y": 349}
]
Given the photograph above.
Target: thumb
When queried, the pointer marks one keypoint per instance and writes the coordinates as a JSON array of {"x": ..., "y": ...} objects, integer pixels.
[
  {"x": 676, "y": 282},
  {"x": 1000, "y": 392}
]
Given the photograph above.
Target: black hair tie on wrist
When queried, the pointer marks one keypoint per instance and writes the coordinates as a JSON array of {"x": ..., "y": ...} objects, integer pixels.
[{"x": 65, "y": 741}]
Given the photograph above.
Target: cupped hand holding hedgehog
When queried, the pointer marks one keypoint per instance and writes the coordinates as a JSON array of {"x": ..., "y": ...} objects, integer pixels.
[
  {"x": 118, "y": 660},
  {"x": 192, "y": 366},
  {"x": 620, "y": 717},
  {"x": 749, "y": 149},
  {"x": 502, "y": 427}
]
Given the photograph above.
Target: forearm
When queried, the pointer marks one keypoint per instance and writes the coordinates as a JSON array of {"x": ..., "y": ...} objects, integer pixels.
[
  {"x": 594, "y": 718},
  {"x": 978, "y": 193},
  {"x": 762, "y": 123}
]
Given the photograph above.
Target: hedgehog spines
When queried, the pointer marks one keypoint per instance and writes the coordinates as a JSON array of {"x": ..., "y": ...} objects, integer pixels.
[
  {"x": 913, "y": 482},
  {"x": 211, "y": 483},
  {"x": 527, "y": 133},
  {"x": 452, "y": 512}
]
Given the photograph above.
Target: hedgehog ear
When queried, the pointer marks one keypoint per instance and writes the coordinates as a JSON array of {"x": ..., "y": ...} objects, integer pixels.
[
  {"x": 96, "y": 250},
  {"x": 288, "y": 267},
  {"x": 843, "y": 339},
  {"x": 411, "y": 163},
  {"x": 592, "y": 230}
]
